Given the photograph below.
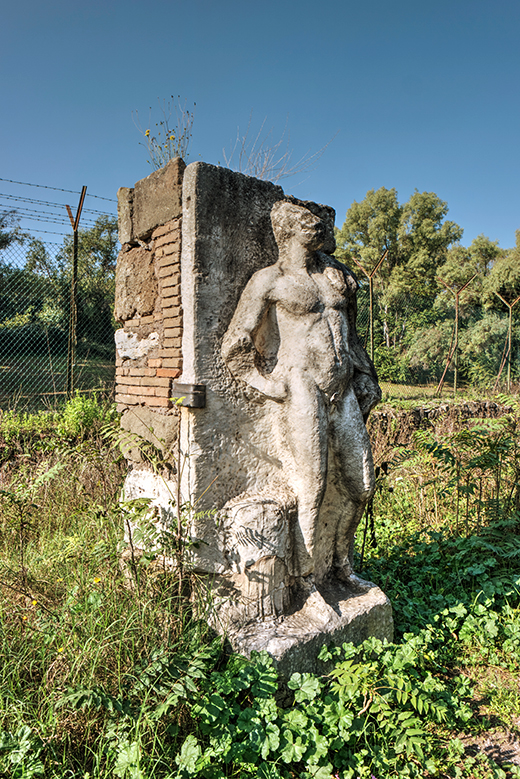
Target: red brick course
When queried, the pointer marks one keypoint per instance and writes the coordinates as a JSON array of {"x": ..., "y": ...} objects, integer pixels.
[
  {"x": 151, "y": 385},
  {"x": 172, "y": 362},
  {"x": 170, "y": 373},
  {"x": 165, "y": 229}
]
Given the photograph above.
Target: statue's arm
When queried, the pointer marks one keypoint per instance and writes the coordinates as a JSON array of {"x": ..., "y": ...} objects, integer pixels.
[{"x": 238, "y": 346}]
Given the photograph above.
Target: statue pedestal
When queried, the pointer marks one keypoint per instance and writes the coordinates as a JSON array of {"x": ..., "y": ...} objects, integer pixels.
[{"x": 336, "y": 613}]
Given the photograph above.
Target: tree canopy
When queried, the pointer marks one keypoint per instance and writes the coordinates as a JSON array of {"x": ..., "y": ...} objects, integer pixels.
[
  {"x": 10, "y": 231},
  {"x": 416, "y": 235},
  {"x": 415, "y": 286},
  {"x": 37, "y": 296}
]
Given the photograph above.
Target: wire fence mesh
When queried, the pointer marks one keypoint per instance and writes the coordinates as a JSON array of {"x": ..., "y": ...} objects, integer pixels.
[
  {"x": 424, "y": 347},
  {"x": 50, "y": 344}
]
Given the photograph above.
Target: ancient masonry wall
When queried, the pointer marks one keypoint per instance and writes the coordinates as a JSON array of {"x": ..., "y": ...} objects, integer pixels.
[{"x": 148, "y": 298}]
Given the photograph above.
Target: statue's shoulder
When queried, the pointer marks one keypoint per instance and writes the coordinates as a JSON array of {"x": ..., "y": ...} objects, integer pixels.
[
  {"x": 265, "y": 277},
  {"x": 328, "y": 261}
]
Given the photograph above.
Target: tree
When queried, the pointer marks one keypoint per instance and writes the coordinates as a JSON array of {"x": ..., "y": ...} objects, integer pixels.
[
  {"x": 97, "y": 254},
  {"x": 371, "y": 228},
  {"x": 10, "y": 231},
  {"x": 461, "y": 265},
  {"x": 502, "y": 291},
  {"x": 416, "y": 236},
  {"x": 504, "y": 277},
  {"x": 424, "y": 238}
]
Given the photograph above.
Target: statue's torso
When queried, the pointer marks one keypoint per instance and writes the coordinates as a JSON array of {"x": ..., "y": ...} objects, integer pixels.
[{"x": 312, "y": 318}]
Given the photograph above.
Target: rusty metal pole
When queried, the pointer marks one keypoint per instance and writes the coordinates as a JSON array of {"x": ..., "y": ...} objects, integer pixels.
[
  {"x": 371, "y": 293},
  {"x": 456, "y": 346},
  {"x": 510, "y": 338},
  {"x": 73, "y": 312},
  {"x": 453, "y": 352},
  {"x": 370, "y": 277},
  {"x": 509, "y": 342}
]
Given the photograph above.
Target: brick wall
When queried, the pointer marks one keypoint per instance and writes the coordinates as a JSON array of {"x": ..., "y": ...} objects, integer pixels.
[
  {"x": 147, "y": 380},
  {"x": 148, "y": 303}
]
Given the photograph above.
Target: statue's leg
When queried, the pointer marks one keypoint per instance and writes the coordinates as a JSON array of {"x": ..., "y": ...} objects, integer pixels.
[
  {"x": 354, "y": 469},
  {"x": 305, "y": 432}
]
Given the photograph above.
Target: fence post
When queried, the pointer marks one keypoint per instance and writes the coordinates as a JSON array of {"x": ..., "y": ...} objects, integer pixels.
[
  {"x": 509, "y": 344},
  {"x": 455, "y": 351},
  {"x": 370, "y": 277},
  {"x": 73, "y": 313}
]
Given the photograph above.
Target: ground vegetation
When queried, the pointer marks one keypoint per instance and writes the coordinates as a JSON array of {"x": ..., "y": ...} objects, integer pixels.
[{"x": 106, "y": 671}]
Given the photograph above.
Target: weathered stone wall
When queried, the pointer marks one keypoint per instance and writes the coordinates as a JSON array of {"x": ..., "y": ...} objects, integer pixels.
[
  {"x": 148, "y": 302},
  {"x": 390, "y": 428}
]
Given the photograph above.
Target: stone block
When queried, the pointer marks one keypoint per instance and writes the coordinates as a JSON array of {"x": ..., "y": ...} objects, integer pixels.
[
  {"x": 132, "y": 347},
  {"x": 128, "y": 400},
  {"x": 157, "y": 199},
  {"x": 136, "y": 285},
  {"x": 335, "y": 613},
  {"x": 161, "y": 430},
  {"x": 125, "y": 198}
]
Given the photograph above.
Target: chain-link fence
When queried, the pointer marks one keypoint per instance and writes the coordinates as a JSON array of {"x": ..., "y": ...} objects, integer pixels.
[
  {"x": 55, "y": 341},
  {"x": 56, "y": 338},
  {"x": 426, "y": 347}
]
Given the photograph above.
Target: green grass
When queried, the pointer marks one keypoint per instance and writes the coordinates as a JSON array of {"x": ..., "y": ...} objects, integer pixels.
[
  {"x": 36, "y": 382},
  {"x": 107, "y": 674}
]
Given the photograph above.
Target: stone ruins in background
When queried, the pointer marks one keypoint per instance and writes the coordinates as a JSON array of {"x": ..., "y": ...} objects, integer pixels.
[{"x": 230, "y": 298}]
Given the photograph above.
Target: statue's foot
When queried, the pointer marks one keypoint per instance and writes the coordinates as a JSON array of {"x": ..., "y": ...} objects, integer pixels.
[
  {"x": 343, "y": 572},
  {"x": 346, "y": 575}
]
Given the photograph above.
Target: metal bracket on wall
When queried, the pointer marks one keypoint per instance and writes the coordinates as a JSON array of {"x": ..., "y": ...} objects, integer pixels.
[{"x": 193, "y": 395}]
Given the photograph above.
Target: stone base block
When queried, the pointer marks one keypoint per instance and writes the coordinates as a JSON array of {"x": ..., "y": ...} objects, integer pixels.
[{"x": 336, "y": 613}]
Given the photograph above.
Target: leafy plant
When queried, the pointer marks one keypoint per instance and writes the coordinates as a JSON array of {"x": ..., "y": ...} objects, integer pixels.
[
  {"x": 21, "y": 500},
  {"x": 20, "y": 755},
  {"x": 100, "y": 679},
  {"x": 172, "y": 135}
]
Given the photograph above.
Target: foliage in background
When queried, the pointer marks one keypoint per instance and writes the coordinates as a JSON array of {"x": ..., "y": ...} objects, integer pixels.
[
  {"x": 35, "y": 299},
  {"x": 504, "y": 277},
  {"x": 414, "y": 310},
  {"x": 415, "y": 234},
  {"x": 10, "y": 231}
]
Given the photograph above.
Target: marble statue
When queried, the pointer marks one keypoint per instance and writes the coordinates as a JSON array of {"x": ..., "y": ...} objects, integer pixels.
[
  {"x": 239, "y": 357},
  {"x": 293, "y": 339}
]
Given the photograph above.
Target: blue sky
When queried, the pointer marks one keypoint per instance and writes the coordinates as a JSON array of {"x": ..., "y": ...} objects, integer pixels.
[{"x": 421, "y": 95}]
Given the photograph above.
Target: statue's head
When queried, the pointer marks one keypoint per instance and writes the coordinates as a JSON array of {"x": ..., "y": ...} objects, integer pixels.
[{"x": 290, "y": 220}]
